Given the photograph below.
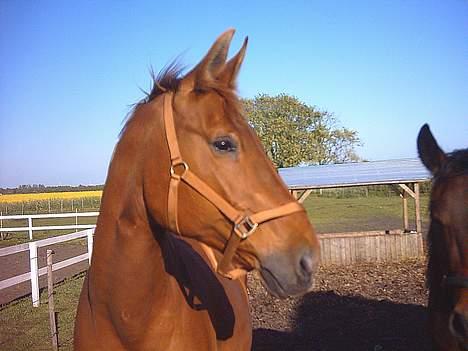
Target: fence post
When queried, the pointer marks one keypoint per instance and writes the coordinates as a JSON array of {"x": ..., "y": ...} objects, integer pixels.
[
  {"x": 417, "y": 208},
  {"x": 50, "y": 295},
  {"x": 34, "y": 273},
  {"x": 30, "y": 228},
  {"x": 76, "y": 220},
  {"x": 1, "y": 224},
  {"x": 90, "y": 244}
]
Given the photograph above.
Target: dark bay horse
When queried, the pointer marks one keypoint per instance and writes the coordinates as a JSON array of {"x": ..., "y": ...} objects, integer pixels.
[
  {"x": 191, "y": 203},
  {"x": 447, "y": 271}
]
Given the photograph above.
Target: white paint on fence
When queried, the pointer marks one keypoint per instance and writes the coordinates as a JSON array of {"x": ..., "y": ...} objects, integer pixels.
[
  {"x": 35, "y": 272},
  {"x": 31, "y": 228}
]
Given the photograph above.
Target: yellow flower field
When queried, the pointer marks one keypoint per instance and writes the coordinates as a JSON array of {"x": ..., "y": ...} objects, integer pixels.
[{"x": 46, "y": 196}]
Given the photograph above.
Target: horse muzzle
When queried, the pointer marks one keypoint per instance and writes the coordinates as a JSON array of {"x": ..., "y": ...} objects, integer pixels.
[{"x": 283, "y": 279}]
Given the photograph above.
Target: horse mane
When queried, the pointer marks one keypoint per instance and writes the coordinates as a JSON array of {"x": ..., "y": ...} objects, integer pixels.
[
  {"x": 168, "y": 80},
  {"x": 456, "y": 164}
]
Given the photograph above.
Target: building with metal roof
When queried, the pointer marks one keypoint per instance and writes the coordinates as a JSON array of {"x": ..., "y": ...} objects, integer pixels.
[
  {"x": 355, "y": 174},
  {"x": 405, "y": 173}
]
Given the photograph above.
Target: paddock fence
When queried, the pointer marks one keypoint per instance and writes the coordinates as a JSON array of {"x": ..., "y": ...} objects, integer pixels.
[
  {"x": 336, "y": 248},
  {"x": 28, "y": 222},
  {"x": 35, "y": 272},
  {"x": 370, "y": 246}
]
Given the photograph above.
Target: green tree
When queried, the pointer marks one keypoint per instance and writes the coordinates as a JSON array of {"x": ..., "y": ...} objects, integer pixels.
[{"x": 293, "y": 132}]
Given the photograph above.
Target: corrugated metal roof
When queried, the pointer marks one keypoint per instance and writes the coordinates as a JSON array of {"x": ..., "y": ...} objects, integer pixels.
[{"x": 354, "y": 174}]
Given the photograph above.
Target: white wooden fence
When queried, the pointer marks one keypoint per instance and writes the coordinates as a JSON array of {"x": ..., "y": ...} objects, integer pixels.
[
  {"x": 30, "y": 228},
  {"x": 35, "y": 272}
]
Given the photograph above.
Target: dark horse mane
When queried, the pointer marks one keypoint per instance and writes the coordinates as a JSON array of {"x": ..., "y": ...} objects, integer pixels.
[
  {"x": 456, "y": 164},
  {"x": 167, "y": 79}
]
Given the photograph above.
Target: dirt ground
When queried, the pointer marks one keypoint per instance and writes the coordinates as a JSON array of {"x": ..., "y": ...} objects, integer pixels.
[
  {"x": 375, "y": 307},
  {"x": 366, "y": 306}
]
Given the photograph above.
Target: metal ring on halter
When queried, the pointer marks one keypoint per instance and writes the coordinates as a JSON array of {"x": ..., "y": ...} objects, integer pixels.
[
  {"x": 245, "y": 228},
  {"x": 176, "y": 164}
]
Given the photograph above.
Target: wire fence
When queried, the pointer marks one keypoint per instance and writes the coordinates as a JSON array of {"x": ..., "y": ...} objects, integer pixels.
[{"x": 84, "y": 204}]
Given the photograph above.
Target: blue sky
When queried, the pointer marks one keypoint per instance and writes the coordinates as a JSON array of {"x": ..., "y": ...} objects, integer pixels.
[{"x": 70, "y": 70}]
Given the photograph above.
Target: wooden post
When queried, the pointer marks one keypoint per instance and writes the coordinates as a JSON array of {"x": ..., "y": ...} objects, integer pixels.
[
  {"x": 404, "y": 197},
  {"x": 50, "y": 294},
  {"x": 76, "y": 220},
  {"x": 417, "y": 207},
  {"x": 304, "y": 196}
]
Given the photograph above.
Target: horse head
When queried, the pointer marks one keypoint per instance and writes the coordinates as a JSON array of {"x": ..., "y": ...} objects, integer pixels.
[
  {"x": 448, "y": 242},
  {"x": 206, "y": 176}
]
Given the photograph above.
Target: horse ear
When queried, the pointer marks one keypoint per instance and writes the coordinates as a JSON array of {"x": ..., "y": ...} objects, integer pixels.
[
  {"x": 210, "y": 66},
  {"x": 229, "y": 72},
  {"x": 429, "y": 151}
]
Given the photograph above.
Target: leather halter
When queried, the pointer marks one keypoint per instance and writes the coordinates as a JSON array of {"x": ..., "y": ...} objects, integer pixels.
[
  {"x": 244, "y": 225},
  {"x": 457, "y": 281}
]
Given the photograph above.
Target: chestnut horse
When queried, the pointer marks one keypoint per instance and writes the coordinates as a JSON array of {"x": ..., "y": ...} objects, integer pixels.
[
  {"x": 190, "y": 205},
  {"x": 447, "y": 270}
]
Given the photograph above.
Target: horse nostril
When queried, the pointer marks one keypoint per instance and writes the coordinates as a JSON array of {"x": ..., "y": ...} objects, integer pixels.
[
  {"x": 307, "y": 264},
  {"x": 458, "y": 325}
]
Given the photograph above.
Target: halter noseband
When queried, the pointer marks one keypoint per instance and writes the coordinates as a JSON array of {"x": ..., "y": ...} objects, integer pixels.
[{"x": 244, "y": 225}]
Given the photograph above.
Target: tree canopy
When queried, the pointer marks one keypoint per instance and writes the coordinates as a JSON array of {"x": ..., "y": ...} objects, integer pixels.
[{"x": 294, "y": 133}]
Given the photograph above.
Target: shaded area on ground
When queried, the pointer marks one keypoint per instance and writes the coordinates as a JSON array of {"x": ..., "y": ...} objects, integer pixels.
[
  {"x": 375, "y": 307},
  {"x": 327, "y": 321}
]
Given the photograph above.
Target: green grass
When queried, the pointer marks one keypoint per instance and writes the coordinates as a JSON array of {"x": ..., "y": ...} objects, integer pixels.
[
  {"x": 25, "y": 327},
  {"x": 329, "y": 214}
]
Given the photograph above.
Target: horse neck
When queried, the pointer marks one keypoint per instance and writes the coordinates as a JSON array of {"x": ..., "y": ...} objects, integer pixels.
[{"x": 126, "y": 244}]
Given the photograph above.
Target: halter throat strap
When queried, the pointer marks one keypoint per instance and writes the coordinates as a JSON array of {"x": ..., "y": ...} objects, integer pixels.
[{"x": 244, "y": 225}]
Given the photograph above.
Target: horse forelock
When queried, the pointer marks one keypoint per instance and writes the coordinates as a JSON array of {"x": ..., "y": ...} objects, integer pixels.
[{"x": 168, "y": 80}]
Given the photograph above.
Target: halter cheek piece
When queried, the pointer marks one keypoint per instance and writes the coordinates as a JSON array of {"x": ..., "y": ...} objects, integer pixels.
[{"x": 243, "y": 225}]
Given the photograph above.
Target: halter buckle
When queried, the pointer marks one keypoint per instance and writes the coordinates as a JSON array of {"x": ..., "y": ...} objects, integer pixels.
[
  {"x": 245, "y": 227},
  {"x": 177, "y": 164}
]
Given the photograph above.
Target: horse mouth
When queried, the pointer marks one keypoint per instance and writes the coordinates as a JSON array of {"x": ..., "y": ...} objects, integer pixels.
[{"x": 272, "y": 284}]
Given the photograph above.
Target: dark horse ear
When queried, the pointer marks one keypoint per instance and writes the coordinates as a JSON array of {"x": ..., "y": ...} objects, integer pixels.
[
  {"x": 429, "y": 151},
  {"x": 210, "y": 66}
]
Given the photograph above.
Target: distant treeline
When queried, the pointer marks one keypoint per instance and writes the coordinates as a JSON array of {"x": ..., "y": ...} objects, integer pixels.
[{"x": 41, "y": 188}]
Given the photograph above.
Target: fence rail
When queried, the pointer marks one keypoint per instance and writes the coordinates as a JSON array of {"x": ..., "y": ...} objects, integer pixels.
[
  {"x": 30, "y": 228},
  {"x": 35, "y": 272}
]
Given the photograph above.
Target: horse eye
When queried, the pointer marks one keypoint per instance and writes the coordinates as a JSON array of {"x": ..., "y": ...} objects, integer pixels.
[{"x": 224, "y": 144}]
